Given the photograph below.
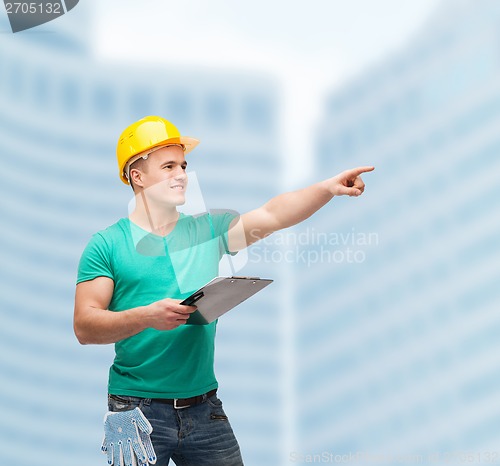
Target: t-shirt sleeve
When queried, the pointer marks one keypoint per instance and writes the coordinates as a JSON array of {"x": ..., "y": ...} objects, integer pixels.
[
  {"x": 95, "y": 261},
  {"x": 221, "y": 219}
]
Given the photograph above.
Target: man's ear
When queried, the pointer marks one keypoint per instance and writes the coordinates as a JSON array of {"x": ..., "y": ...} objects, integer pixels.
[{"x": 136, "y": 177}]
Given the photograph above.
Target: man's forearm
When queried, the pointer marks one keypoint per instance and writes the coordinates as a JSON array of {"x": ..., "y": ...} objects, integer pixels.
[
  {"x": 291, "y": 208},
  {"x": 101, "y": 326}
]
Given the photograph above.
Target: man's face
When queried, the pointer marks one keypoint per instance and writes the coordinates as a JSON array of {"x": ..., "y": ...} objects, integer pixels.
[{"x": 164, "y": 178}]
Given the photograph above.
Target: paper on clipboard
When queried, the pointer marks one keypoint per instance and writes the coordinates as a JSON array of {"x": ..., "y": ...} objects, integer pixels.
[{"x": 221, "y": 295}]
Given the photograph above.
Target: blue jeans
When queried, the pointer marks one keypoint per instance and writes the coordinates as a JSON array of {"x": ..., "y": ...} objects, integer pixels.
[{"x": 200, "y": 435}]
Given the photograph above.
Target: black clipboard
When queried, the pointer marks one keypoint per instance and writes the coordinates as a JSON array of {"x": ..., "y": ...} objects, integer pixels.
[{"x": 221, "y": 295}]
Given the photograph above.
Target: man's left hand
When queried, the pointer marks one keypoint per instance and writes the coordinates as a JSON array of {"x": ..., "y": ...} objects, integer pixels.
[{"x": 349, "y": 182}]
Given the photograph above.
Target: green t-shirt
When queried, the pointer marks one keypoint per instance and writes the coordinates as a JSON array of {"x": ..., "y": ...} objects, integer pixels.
[{"x": 146, "y": 268}]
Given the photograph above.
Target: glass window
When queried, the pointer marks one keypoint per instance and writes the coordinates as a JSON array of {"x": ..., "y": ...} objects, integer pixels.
[
  {"x": 15, "y": 80},
  {"x": 179, "y": 107},
  {"x": 70, "y": 96},
  {"x": 103, "y": 101},
  {"x": 141, "y": 103},
  {"x": 257, "y": 114},
  {"x": 41, "y": 88},
  {"x": 218, "y": 110}
]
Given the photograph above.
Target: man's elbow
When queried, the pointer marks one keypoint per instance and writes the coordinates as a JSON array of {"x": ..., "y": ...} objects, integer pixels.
[{"x": 83, "y": 335}]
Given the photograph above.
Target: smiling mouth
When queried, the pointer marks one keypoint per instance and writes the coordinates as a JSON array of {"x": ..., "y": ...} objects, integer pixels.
[{"x": 177, "y": 186}]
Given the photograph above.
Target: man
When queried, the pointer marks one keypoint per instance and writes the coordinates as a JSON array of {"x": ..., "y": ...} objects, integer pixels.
[{"x": 131, "y": 279}]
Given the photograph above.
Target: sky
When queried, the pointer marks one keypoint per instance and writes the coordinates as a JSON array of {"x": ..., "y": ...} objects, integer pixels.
[{"x": 311, "y": 48}]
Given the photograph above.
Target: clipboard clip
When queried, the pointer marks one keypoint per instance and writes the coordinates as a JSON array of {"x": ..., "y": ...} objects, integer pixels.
[
  {"x": 254, "y": 279},
  {"x": 193, "y": 298}
]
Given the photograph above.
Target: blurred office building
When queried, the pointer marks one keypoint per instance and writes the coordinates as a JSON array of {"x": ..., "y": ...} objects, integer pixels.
[
  {"x": 61, "y": 112},
  {"x": 398, "y": 350}
]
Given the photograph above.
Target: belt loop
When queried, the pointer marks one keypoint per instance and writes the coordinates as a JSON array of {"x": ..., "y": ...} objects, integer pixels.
[{"x": 147, "y": 401}]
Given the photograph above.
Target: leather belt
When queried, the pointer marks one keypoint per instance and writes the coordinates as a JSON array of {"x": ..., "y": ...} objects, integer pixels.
[{"x": 181, "y": 403}]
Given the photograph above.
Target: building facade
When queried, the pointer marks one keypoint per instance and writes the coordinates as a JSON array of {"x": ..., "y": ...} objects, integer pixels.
[
  {"x": 61, "y": 112},
  {"x": 397, "y": 349}
]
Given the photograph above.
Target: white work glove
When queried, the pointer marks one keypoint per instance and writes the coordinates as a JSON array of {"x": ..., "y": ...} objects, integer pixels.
[{"x": 127, "y": 440}]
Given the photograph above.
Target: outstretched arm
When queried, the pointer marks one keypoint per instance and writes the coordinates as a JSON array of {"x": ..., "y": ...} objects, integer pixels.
[{"x": 288, "y": 209}]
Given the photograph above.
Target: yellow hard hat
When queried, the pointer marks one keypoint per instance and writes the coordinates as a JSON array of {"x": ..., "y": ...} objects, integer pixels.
[{"x": 145, "y": 134}]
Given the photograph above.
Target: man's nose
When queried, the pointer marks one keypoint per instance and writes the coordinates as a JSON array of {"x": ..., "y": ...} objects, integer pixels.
[{"x": 180, "y": 173}]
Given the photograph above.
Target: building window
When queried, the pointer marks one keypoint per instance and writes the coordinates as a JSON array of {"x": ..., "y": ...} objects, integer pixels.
[
  {"x": 179, "y": 107},
  {"x": 70, "y": 96},
  {"x": 257, "y": 114},
  {"x": 141, "y": 103},
  {"x": 217, "y": 108},
  {"x": 412, "y": 103},
  {"x": 103, "y": 101},
  {"x": 15, "y": 80},
  {"x": 41, "y": 89}
]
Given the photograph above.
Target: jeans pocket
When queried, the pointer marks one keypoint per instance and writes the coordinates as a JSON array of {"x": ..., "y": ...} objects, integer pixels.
[
  {"x": 216, "y": 411},
  {"x": 214, "y": 402},
  {"x": 218, "y": 416},
  {"x": 118, "y": 403}
]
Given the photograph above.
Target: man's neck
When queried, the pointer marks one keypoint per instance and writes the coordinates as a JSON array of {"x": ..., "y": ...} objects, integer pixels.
[{"x": 159, "y": 220}]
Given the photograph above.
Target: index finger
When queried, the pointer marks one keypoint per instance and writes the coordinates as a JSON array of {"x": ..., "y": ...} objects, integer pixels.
[
  {"x": 184, "y": 308},
  {"x": 358, "y": 170},
  {"x": 187, "y": 309}
]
